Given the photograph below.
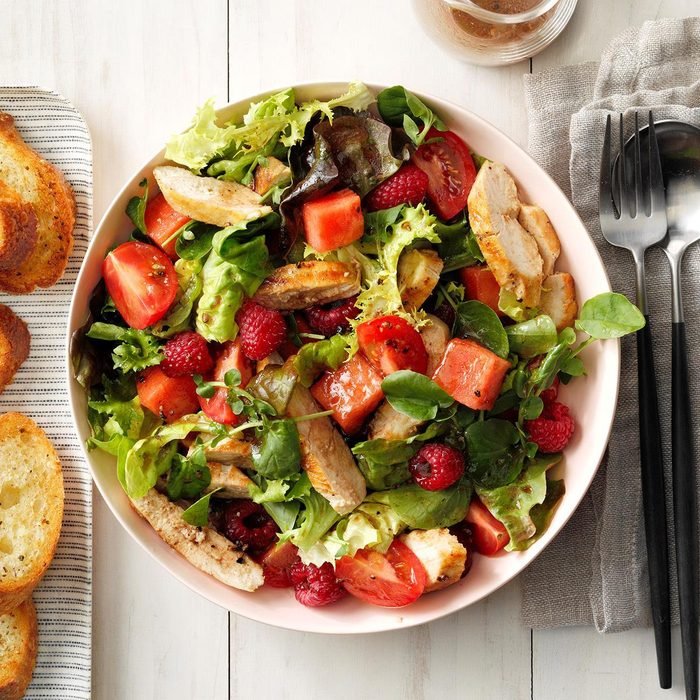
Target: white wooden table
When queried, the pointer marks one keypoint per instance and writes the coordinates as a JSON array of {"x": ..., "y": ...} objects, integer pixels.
[{"x": 137, "y": 70}]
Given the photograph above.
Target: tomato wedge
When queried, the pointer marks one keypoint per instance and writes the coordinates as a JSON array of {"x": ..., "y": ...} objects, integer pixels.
[
  {"x": 391, "y": 343},
  {"x": 141, "y": 280},
  {"x": 450, "y": 169},
  {"x": 489, "y": 535},
  {"x": 217, "y": 407},
  {"x": 391, "y": 580},
  {"x": 277, "y": 563}
]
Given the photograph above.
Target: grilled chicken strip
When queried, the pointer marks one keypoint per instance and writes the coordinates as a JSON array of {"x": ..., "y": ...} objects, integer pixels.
[
  {"x": 510, "y": 251},
  {"x": 230, "y": 480},
  {"x": 559, "y": 299},
  {"x": 230, "y": 451},
  {"x": 208, "y": 199},
  {"x": 536, "y": 222},
  {"x": 325, "y": 456},
  {"x": 304, "y": 284},
  {"x": 418, "y": 274},
  {"x": 203, "y": 547},
  {"x": 442, "y": 556}
]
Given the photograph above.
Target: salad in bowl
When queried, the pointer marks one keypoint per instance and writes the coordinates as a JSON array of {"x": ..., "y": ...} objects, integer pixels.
[{"x": 328, "y": 358}]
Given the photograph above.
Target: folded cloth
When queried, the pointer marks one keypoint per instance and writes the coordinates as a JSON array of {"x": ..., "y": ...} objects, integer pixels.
[{"x": 595, "y": 571}]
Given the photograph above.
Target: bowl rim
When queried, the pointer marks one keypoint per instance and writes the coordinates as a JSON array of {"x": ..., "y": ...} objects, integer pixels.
[{"x": 312, "y": 623}]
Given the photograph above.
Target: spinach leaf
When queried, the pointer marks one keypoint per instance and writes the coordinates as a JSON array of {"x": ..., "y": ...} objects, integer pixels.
[
  {"x": 198, "y": 513},
  {"x": 531, "y": 338},
  {"x": 609, "y": 315},
  {"x": 415, "y": 395},
  {"x": 278, "y": 455},
  {"x": 531, "y": 408},
  {"x": 399, "y": 107},
  {"x": 541, "y": 514},
  {"x": 493, "y": 459},
  {"x": 559, "y": 356},
  {"x": 458, "y": 247},
  {"x": 384, "y": 463},
  {"x": 136, "y": 208},
  {"x": 136, "y": 349},
  {"x": 188, "y": 476},
  {"x": 314, "y": 358},
  {"x": 377, "y": 223},
  {"x": 194, "y": 240},
  {"x": 478, "y": 321},
  {"x": 425, "y": 510}
]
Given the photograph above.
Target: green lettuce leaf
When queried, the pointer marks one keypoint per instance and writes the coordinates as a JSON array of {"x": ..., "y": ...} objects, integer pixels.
[
  {"x": 189, "y": 278},
  {"x": 188, "y": 476},
  {"x": 512, "y": 504},
  {"x": 314, "y": 358},
  {"x": 399, "y": 107},
  {"x": 136, "y": 349}
]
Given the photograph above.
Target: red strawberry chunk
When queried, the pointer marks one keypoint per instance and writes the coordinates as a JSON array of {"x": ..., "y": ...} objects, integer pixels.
[{"x": 407, "y": 185}]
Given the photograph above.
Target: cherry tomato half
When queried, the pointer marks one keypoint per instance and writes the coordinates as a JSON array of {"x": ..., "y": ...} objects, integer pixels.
[
  {"x": 391, "y": 343},
  {"x": 391, "y": 580},
  {"x": 451, "y": 172},
  {"x": 142, "y": 281}
]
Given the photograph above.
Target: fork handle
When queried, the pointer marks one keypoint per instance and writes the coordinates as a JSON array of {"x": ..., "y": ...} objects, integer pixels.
[
  {"x": 654, "y": 503},
  {"x": 685, "y": 509}
]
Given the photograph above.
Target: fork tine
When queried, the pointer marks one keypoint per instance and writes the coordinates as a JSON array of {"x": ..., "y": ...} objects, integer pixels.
[
  {"x": 605, "y": 196},
  {"x": 640, "y": 204},
  {"x": 656, "y": 177},
  {"x": 624, "y": 199}
]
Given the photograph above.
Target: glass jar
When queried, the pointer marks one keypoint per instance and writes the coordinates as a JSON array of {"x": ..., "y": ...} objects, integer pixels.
[{"x": 494, "y": 32}]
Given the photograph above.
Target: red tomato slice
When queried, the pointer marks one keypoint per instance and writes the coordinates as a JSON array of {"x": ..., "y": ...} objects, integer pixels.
[
  {"x": 391, "y": 580},
  {"x": 450, "y": 169},
  {"x": 489, "y": 535},
  {"x": 142, "y": 281},
  {"x": 391, "y": 343},
  {"x": 161, "y": 223},
  {"x": 217, "y": 407}
]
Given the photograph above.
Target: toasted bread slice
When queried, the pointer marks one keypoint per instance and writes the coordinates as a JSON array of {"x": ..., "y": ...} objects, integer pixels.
[
  {"x": 18, "y": 643},
  {"x": 42, "y": 186},
  {"x": 31, "y": 507},
  {"x": 14, "y": 344},
  {"x": 203, "y": 547},
  {"x": 18, "y": 232}
]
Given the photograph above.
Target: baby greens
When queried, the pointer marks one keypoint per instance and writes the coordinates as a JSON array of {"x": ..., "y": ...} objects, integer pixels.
[
  {"x": 399, "y": 107},
  {"x": 415, "y": 395}
]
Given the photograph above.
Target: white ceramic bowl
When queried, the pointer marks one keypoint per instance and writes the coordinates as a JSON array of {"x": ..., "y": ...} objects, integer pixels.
[{"x": 592, "y": 400}]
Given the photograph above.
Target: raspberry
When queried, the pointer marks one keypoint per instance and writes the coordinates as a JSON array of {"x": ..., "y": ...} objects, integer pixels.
[
  {"x": 248, "y": 525},
  {"x": 186, "y": 353},
  {"x": 406, "y": 186},
  {"x": 550, "y": 395},
  {"x": 436, "y": 466},
  {"x": 445, "y": 313},
  {"x": 553, "y": 429},
  {"x": 315, "y": 586},
  {"x": 262, "y": 330},
  {"x": 332, "y": 318}
]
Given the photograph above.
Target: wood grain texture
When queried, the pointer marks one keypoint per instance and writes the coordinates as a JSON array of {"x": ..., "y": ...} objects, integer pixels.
[{"x": 153, "y": 638}]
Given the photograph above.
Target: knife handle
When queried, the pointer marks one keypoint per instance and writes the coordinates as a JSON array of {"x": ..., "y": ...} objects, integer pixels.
[
  {"x": 685, "y": 509},
  {"x": 654, "y": 503}
]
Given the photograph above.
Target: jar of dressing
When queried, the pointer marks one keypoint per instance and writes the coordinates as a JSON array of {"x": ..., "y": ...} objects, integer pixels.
[{"x": 494, "y": 32}]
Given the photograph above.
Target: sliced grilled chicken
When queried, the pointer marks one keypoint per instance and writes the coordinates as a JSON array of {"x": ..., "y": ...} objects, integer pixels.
[
  {"x": 231, "y": 481},
  {"x": 230, "y": 451},
  {"x": 203, "y": 547},
  {"x": 325, "y": 456},
  {"x": 272, "y": 173},
  {"x": 536, "y": 222},
  {"x": 388, "y": 424},
  {"x": 304, "y": 284},
  {"x": 442, "y": 556},
  {"x": 510, "y": 251},
  {"x": 208, "y": 199},
  {"x": 418, "y": 274},
  {"x": 436, "y": 334},
  {"x": 559, "y": 299}
]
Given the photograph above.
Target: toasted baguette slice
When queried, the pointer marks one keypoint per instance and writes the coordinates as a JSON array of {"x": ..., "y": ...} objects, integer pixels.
[
  {"x": 208, "y": 199},
  {"x": 42, "y": 186},
  {"x": 17, "y": 228},
  {"x": 31, "y": 507},
  {"x": 14, "y": 344},
  {"x": 18, "y": 643},
  {"x": 203, "y": 547}
]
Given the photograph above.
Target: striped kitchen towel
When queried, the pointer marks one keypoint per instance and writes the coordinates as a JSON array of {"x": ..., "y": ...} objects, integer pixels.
[{"x": 54, "y": 128}]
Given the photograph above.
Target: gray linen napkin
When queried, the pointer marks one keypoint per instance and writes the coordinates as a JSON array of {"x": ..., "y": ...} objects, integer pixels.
[{"x": 595, "y": 572}]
